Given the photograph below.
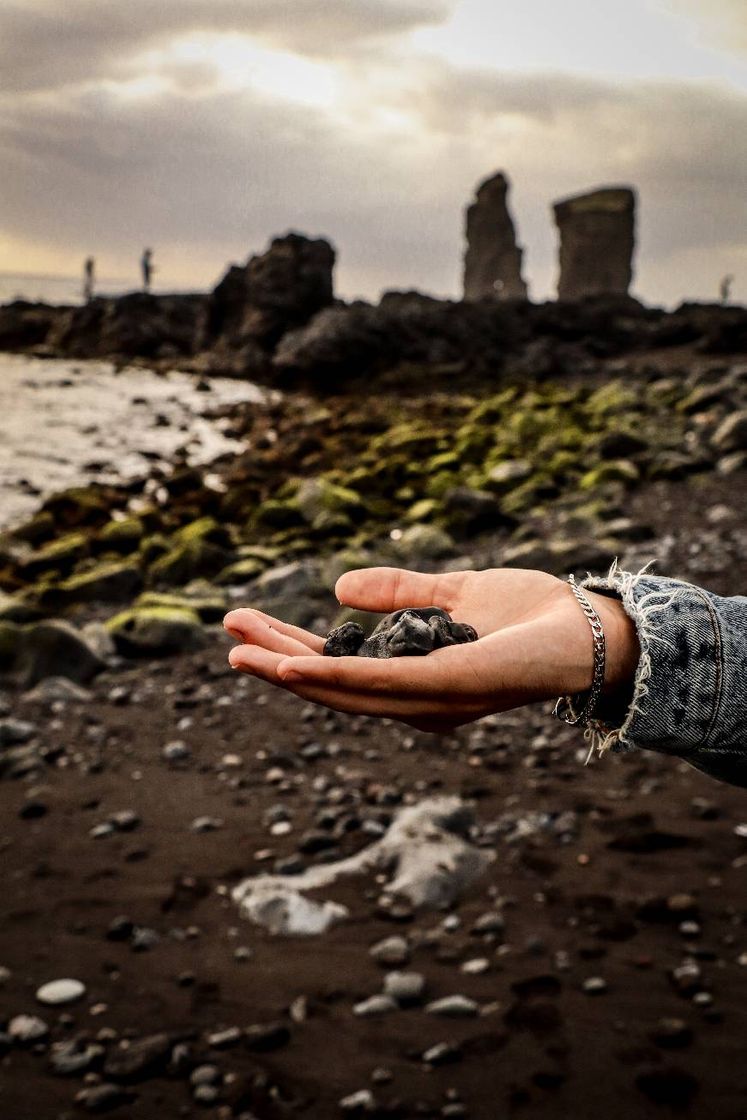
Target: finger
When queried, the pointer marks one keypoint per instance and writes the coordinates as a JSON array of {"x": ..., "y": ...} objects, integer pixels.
[
  {"x": 244, "y": 621},
  {"x": 255, "y": 631},
  {"x": 390, "y": 589},
  {"x": 454, "y": 671},
  {"x": 263, "y": 664}
]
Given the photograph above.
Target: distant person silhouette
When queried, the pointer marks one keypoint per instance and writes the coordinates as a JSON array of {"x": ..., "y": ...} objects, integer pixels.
[
  {"x": 147, "y": 268},
  {"x": 89, "y": 269},
  {"x": 724, "y": 288}
]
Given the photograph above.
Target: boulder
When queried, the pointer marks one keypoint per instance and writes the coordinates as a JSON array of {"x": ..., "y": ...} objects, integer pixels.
[
  {"x": 156, "y": 631},
  {"x": 273, "y": 293},
  {"x": 24, "y": 325},
  {"x": 106, "y": 583},
  {"x": 135, "y": 325},
  {"x": 492, "y": 262},
  {"x": 53, "y": 649},
  {"x": 597, "y": 238}
]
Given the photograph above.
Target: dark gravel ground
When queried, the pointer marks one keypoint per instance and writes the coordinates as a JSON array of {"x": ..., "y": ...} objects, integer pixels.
[{"x": 623, "y": 870}]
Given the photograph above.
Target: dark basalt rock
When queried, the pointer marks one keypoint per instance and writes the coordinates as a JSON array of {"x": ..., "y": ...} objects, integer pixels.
[{"x": 410, "y": 632}]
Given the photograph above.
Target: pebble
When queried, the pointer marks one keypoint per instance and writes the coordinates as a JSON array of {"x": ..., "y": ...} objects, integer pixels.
[
  {"x": 475, "y": 967},
  {"x": 206, "y": 824},
  {"x": 594, "y": 985},
  {"x": 221, "y": 1040},
  {"x": 206, "y": 1094},
  {"x": 404, "y": 987},
  {"x": 453, "y": 1007},
  {"x": 490, "y": 922},
  {"x": 58, "y": 992},
  {"x": 205, "y": 1075},
  {"x": 27, "y": 1028},
  {"x": 71, "y": 1058},
  {"x": 13, "y": 732},
  {"x": 441, "y": 1054},
  {"x": 362, "y": 1101},
  {"x": 126, "y": 820},
  {"x": 391, "y": 951},
  {"x": 374, "y": 1005},
  {"x": 144, "y": 938},
  {"x": 102, "y": 1098},
  {"x": 176, "y": 751}
]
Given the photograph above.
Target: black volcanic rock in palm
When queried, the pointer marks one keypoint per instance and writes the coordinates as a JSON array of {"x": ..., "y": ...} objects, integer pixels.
[{"x": 410, "y": 632}]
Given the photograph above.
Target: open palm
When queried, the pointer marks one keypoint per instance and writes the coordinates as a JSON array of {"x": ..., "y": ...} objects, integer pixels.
[{"x": 534, "y": 643}]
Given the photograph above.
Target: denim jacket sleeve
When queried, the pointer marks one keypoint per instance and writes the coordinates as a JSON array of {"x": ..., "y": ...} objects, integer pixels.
[{"x": 690, "y": 688}]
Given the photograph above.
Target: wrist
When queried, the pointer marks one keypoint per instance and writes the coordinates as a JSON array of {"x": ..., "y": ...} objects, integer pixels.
[{"x": 622, "y": 648}]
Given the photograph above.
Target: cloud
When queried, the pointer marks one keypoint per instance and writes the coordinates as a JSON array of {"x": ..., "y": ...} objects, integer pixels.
[
  {"x": 44, "y": 45},
  {"x": 724, "y": 22},
  {"x": 111, "y": 139},
  {"x": 212, "y": 177}
]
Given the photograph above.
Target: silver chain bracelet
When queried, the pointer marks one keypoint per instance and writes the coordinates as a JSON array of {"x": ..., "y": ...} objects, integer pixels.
[{"x": 566, "y": 706}]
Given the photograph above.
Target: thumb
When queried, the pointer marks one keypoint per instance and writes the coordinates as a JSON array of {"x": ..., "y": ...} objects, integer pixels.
[{"x": 391, "y": 589}]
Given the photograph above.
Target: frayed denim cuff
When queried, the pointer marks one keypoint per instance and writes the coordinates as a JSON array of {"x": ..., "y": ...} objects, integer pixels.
[{"x": 690, "y": 688}]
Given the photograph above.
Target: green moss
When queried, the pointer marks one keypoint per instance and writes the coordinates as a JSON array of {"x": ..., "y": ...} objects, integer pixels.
[
  {"x": 156, "y": 631},
  {"x": 422, "y": 510},
  {"x": 208, "y": 609},
  {"x": 108, "y": 583},
  {"x": 319, "y": 497},
  {"x": 122, "y": 536},
  {"x": 188, "y": 561},
  {"x": 617, "y": 470},
  {"x": 58, "y": 556}
]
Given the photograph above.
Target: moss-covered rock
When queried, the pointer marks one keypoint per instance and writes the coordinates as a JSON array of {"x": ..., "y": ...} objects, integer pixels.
[
  {"x": 617, "y": 470},
  {"x": 319, "y": 499},
  {"x": 122, "y": 536},
  {"x": 41, "y": 527},
  {"x": 156, "y": 631},
  {"x": 277, "y": 513},
  {"x": 241, "y": 571},
  {"x": 506, "y": 475},
  {"x": 19, "y": 608},
  {"x": 204, "y": 529},
  {"x": 81, "y": 505},
  {"x": 59, "y": 556},
  {"x": 192, "y": 559},
  {"x": 423, "y": 542},
  {"x": 422, "y": 510},
  {"x": 105, "y": 583},
  {"x": 208, "y": 608}
]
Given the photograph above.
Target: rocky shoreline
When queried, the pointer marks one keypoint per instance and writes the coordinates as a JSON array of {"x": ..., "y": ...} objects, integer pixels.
[{"x": 597, "y": 963}]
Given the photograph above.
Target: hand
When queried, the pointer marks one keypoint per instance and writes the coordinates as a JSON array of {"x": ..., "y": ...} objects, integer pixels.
[{"x": 534, "y": 643}]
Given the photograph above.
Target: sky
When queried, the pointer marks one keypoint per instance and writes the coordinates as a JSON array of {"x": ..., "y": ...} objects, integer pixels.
[{"x": 206, "y": 127}]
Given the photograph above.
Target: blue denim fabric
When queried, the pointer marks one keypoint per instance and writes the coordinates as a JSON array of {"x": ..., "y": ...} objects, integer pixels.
[{"x": 690, "y": 689}]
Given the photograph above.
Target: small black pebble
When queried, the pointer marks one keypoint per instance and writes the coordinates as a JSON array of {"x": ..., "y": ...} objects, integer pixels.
[{"x": 410, "y": 632}]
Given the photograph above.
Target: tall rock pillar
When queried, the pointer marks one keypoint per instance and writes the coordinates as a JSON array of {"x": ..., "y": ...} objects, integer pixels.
[
  {"x": 597, "y": 238},
  {"x": 492, "y": 262}
]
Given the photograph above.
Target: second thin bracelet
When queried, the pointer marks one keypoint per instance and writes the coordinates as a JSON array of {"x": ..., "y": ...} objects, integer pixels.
[{"x": 567, "y": 706}]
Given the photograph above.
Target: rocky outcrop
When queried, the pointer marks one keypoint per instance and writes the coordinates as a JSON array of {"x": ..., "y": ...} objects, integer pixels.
[
  {"x": 597, "y": 238},
  {"x": 492, "y": 262},
  {"x": 274, "y": 292},
  {"x": 134, "y": 325}
]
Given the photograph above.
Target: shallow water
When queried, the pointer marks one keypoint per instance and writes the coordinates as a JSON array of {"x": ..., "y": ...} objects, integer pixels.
[{"x": 63, "y": 423}]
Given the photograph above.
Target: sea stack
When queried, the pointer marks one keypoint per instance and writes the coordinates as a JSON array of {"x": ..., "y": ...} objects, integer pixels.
[
  {"x": 597, "y": 238},
  {"x": 492, "y": 262}
]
